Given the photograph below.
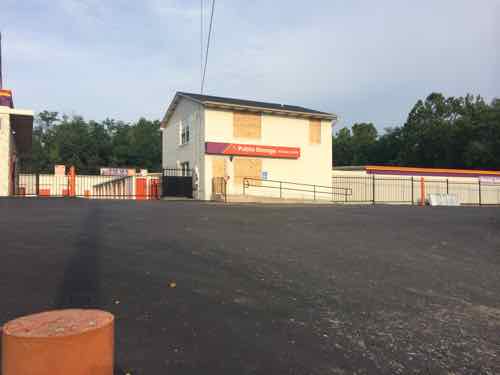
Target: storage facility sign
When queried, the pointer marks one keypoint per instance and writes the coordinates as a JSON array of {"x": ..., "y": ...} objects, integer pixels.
[
  {"x": 219, "y": 148},
  {"x": 6, "y": 98},
  {"x": 119, "y": 172}
]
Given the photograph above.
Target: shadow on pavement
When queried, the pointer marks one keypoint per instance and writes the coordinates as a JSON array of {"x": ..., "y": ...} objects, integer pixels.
[{"x": 81, "y": 284}]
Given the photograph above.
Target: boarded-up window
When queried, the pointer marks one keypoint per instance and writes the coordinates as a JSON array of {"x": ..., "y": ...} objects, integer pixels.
[
  {"x": 218, "y": 167},
  {"x": 244, "y": 167},
  {"x": 315, "y": 131},
  {"x": 247, "y": 125}
]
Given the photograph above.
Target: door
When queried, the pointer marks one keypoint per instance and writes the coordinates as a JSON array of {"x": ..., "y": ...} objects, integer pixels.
[
  {"x": 141, "y": 188},
  {"x": 154, "y": 189}
]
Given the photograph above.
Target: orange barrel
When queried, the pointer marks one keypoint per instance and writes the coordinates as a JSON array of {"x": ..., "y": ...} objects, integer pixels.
[{"x": 61, "y": 342}]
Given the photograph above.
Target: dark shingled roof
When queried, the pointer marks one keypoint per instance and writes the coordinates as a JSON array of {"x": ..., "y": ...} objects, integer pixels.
[{"x": 250, "y": 103}]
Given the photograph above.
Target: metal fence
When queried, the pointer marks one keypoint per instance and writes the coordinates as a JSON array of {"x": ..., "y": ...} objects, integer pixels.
[
  {"x": 88, "y": 185},
  {"x": 294, "y": 190},
  {"x": 177, "y": 172},
  {"x": 410, "y": 190},
  {"x": 177, "y": 182}
]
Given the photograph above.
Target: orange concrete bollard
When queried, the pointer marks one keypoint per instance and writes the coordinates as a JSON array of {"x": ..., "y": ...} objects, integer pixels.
[
  {"x": 61, "y": 342},
  {"x": 422, "y": 191},
  {"x": 72, "y": 181}
]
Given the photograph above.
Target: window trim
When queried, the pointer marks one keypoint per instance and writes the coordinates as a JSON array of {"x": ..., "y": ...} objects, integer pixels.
[
  {"x": 184, "y": 133},
  {"x": 184, "y": 167}
]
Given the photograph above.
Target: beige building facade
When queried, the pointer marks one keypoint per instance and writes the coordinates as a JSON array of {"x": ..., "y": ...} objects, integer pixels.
[{"x": 240, "y": 140}]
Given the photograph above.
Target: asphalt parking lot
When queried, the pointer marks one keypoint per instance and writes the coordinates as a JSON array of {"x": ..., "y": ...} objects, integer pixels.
[{"x": 265, "y": 289}]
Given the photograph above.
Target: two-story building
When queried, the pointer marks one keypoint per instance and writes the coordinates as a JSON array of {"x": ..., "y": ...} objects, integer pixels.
[{"x": 234, "y": 139}]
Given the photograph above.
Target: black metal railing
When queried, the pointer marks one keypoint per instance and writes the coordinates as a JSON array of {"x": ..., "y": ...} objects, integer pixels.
[
  {"x": 412, "y": 190},
  {"x": 316, "y": 192},
  {"x": 177, "y": 172}
]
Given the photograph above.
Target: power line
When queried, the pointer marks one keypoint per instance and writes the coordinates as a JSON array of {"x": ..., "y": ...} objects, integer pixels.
[{"x": 208, "y": 46}]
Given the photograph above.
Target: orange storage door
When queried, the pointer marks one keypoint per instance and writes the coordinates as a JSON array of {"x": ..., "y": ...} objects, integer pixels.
[
  {"x": 141, "y": 188},
  {"x": 154, "y": 191},
  {"x": 44, "y": 193}
]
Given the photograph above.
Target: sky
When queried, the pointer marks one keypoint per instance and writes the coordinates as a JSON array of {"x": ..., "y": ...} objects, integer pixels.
[{"x": 366, "y": 61}]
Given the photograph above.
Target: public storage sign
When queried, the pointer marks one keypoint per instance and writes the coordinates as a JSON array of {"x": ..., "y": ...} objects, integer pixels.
[
  {"x": 220, "y": 148},
  {"x": 118, "y": 172}
]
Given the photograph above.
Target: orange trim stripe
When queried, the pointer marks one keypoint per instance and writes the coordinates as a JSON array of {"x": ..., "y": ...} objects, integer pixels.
[{"x": 430, "y": 170}]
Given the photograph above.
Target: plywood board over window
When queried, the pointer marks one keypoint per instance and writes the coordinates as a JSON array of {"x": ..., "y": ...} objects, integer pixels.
[
  {"x": 315, "y": 131},
  {"x": 218, "y": 167},
  {"x": 247, "y": 125},
  {"x": 244, "y": 167}
]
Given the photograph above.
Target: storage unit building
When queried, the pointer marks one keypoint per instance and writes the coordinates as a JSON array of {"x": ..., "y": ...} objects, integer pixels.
[{"x": 233, "y": 139}]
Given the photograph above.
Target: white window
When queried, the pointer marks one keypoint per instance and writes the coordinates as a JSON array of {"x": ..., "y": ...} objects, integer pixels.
[{"x": 184, "y": 136}]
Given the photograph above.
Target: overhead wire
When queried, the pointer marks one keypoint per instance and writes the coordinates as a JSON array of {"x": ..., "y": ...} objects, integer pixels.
[
  {"x": 201, "y": 44},
  {"x": 208, "y": 46}
]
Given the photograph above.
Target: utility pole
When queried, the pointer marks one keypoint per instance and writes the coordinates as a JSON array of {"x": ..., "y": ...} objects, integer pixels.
[{"x": 1, "y": 76}]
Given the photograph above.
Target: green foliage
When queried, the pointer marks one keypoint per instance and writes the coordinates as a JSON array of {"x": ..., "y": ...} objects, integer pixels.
[
  {"x": 461, "y": 132},
  {"x": 91, "y": 145},
  {"x": 342, "y": 148}
]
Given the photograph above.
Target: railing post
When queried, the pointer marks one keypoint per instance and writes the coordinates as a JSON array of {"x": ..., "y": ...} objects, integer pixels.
[
  {"x": 314, "y": 189},
  {"x": 447, "y": 186},
  {"x": 373, "y": 189},
  {"x": 37, "y": 183},
  {"x": 422, "y": 191},
  {"x": 224, "y": 184},
  {"x": 480, "y": 197},
  {"x": 280, "y": 191},
  {"x": 412, "y": 192},
  {"x": 244, "y": 183}
]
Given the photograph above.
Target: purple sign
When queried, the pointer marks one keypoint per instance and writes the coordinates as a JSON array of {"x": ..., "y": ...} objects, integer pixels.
[{"x": 6, "y": 98}]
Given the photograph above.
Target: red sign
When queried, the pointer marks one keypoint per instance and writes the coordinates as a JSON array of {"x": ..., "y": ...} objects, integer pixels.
[{"x": 252, "y": 150}]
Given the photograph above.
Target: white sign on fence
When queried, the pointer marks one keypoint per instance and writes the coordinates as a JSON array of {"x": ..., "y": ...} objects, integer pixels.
[
  {"x": 115, "y": 172},
  {"x": 489, "y": 180},
  {"x": 443, "y": 200}
]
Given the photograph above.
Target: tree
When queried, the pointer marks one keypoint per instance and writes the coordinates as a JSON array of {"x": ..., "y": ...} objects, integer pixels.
[
  {"x": 385, "y": 150},
  {"x": 450, "y": 132},
  {"x": 454, "y": 132},
  {"x": 91, "y": 145},
  {"x": 342, "y": 149},
  {"x": 364, "y": 138}
]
